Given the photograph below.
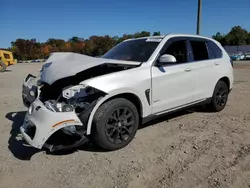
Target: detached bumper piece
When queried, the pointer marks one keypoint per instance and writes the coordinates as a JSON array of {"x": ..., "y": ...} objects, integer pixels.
[
  {"x": 30, "y": 130},
  {"x": 43, "y": 127}
]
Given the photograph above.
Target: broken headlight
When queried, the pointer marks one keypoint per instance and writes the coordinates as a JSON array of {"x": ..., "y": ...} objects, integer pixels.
[
  {"x": 77, "y": 91},
  {"x": 59, "y": 107}
]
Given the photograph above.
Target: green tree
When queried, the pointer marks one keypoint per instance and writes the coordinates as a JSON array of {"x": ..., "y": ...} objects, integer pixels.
[
  {"x": 158, "y": 33},
  {"x": 248, "y": 38},
  {"x": 74, "y": 39},
  {"x": 237, "y": 36},
  {"x": 141, "y": 34},
  {"x": 220, "y": 38}
]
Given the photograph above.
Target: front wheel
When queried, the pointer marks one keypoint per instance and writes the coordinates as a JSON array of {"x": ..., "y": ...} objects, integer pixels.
[
  {"x": 220, "y": 97},
  {"x": 115, "y": 124}
]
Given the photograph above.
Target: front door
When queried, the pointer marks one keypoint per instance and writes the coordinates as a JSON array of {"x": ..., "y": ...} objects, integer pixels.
[{"x": 173, "y": 84}]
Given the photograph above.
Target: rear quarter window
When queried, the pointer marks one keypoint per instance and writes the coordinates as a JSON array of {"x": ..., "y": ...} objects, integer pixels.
[{"x": 214, "y": 51}]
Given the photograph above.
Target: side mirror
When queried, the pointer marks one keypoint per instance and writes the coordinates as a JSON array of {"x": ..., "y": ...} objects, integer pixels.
[{"x": 166, "y": 59}]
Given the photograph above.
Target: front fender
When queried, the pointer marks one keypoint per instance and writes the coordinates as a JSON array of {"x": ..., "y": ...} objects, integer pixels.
[{"x": 146, "y": 110}]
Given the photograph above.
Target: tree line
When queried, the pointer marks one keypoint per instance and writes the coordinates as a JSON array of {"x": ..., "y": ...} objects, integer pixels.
[
  {"x": 98, "y": 45},
  {"x": 93, "y": 46},
  {"x": 236, "y": 36}
]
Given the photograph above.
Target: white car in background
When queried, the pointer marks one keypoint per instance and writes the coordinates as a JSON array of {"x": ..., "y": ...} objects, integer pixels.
[
  {"x": 77, "y": 98},
  {"x": 247, "y": 56}
]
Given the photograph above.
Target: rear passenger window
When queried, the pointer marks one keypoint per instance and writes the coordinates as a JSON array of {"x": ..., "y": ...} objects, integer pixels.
[
  {"x": 214, "y": 50},
  {"x": 199, "y": 50}
]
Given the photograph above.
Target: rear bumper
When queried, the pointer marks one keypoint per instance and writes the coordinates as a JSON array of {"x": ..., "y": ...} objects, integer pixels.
[{"x": 40, "y": 123}]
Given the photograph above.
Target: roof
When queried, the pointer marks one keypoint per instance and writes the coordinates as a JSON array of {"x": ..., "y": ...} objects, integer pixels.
[
  {"x": 172, "y": 35},
  {"x": 148, "y": 37}
]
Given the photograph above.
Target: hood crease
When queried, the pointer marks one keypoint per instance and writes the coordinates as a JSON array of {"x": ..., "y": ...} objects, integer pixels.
[{"x": 64, "y": 64}]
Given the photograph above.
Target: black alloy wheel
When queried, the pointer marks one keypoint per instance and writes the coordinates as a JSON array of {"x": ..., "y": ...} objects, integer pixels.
[
  {"x": 220, "y": 97},
  {"x": 120, "y": 125},
  {"x": 115, "y": 124}
]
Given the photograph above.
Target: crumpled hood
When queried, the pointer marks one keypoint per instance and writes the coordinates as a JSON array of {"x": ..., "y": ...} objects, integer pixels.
[{"x": 64, "y": 64}]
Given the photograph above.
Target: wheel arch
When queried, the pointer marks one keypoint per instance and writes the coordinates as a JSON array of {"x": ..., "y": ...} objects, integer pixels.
[
  {"x": 132, "y": 98},
  {"x": 135, "y": 99},
  {"x": 226, "y": 80}
]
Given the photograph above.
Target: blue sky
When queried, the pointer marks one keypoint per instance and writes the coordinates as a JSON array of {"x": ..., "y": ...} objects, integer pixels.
[{"x": 66, "y": 18}]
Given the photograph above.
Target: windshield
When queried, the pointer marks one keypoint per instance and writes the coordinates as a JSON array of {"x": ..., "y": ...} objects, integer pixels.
[{"x": 133, "y": 50}]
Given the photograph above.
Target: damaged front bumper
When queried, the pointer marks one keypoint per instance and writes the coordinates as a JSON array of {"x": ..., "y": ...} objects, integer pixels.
[
  {"x": 40, "y": 123},
  {"x": 46, "y": 118}
]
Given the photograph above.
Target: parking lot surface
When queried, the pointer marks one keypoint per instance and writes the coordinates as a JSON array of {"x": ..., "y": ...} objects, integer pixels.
[{"x": 190, "y": 149}]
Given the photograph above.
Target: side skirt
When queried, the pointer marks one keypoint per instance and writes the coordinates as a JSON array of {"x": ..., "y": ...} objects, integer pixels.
[{"x": 176, "y": 109}]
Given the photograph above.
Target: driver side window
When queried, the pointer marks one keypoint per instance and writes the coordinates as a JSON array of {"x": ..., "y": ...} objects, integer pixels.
[{"x": 178, "y": 50}]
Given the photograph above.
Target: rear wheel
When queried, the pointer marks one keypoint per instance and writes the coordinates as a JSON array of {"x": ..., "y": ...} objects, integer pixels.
[
  {"x": 115, "y": 124},
  {"x": 2, "y": 66},
  {"x": 220, "y": 97}
]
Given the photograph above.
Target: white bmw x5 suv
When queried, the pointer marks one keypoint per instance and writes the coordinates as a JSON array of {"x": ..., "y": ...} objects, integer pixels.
[{"x": 77, "y": 97}]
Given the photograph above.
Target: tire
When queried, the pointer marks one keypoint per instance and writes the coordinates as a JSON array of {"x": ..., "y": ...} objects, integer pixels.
[
  {"x": 220, "y": 97},
  {"x": 112, "y": 133},
  {"x": 2, "y": 66}
]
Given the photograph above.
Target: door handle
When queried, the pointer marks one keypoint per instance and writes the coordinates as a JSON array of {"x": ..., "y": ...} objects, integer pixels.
[
  {"x": 216, "y": 63},
  {"x": 188, "y": 70}
]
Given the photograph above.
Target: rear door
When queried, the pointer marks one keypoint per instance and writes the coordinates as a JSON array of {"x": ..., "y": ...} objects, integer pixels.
[{"x": 204, "y": 66}]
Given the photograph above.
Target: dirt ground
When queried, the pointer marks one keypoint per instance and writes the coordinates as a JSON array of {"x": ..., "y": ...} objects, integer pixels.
[{"x": 190, "y": 149}]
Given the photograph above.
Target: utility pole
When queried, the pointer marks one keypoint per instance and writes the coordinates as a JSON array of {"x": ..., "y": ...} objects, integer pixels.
[{"x": 199, "y": 17}]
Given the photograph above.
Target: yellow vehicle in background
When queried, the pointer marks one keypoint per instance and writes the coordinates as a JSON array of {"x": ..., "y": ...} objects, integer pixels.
[{"x": 6, "y": 59}]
